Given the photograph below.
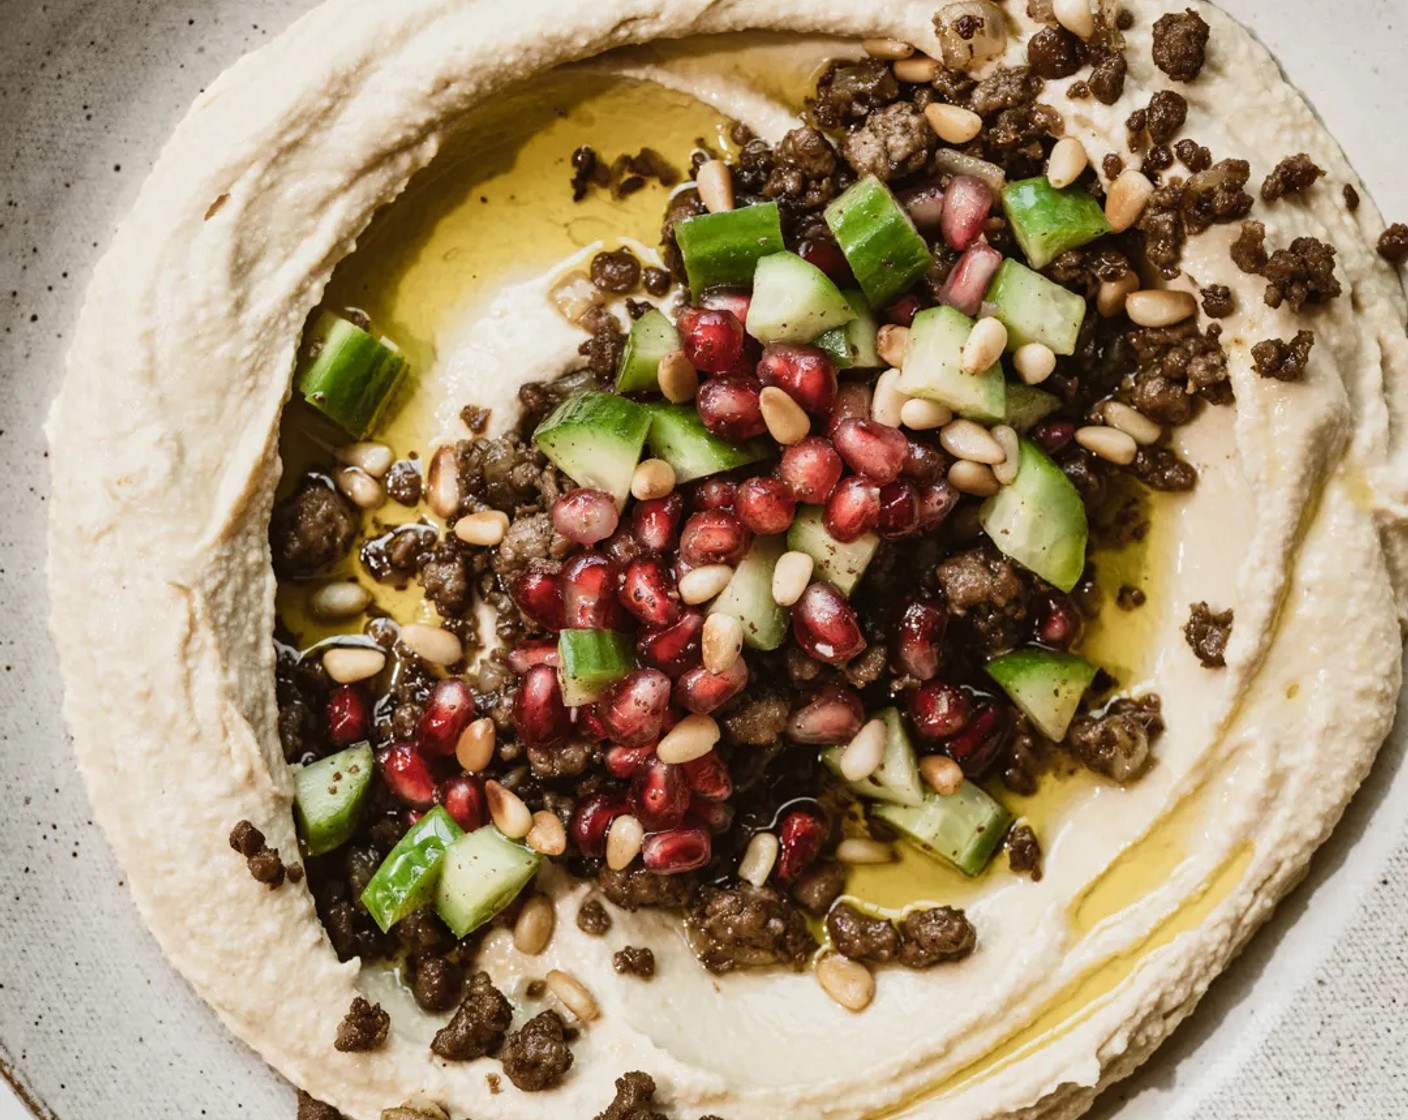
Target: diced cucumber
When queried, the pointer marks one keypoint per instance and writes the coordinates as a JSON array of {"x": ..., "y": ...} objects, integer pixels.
[
  {"x": 881, "y": 244},
  {"x": 725, "y": 248},
  {"x": 678, "y": 436},
  {"x": 1039, "y": 520},
  {"x": 483, "y": 872},
  {"x": 652, "y": 337},
  {"x": 748, "y": 596},
  {"x": 933, "y": 367},
  {"x": 853, "y": 346},
  {"x": 1035, "y": 309},
  {"x": 794, "y": 301},
  {"x": 1047, "y": 222},
  {"x": 596, "y": 440},
  {"x": 590, "y": 662},
  {"x": 1027, "y": 407},
  {"x": 1045, "y": 684},
  {"x": 350, "y": 373},
  {"x": 964, "y": 828},
  {"x": 406, "y": 879},
  {"x": 897, "y": 778},
  {"x": 840, "y": 564},
  {"x": 328, "y": 796}
]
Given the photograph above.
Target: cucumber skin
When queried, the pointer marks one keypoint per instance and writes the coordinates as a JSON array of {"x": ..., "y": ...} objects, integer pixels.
[
  {"x": 1058, "y": 679},
  {"x": 678, "y": 436},
  {"x": 722, "y": 250},
  {"x": 576, "y": 433},
  {"x": 652, "y": 337},
  {"x": 896, "y": 779},
  {"x": 1026, "y": 407},
  {"x": 932, "y": 367},
  {"x": 1045, "y": 499},
  {"x": 407, "y": 877},
  {"x": 794, "y": 301},
  {"x": 464, "y": 919},
  {"x": 590, "y": 662},
  {"x": 1035, "y": 309},
  {"x": 335, "y": 823},
  {"x": 869, "y": 211},
  {"x": 748, "y": 596},
  {"x": 842, "y": 565},
  {"x": 979, "y": 822},
  {"x": 1048, "y": 222},
  {"x": 853, "y": 346},
  {"x": 325, "y": 382}
]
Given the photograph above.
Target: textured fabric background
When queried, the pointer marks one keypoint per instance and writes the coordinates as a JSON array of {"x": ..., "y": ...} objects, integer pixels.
[{"x": 1311, "y": 1023}]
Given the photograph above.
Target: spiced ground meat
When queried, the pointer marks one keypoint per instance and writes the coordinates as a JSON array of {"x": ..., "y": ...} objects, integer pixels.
[
  {"x": 935, "y": 936},
  {"x": 1218, "y": 301},
  {"x": 635, "y": 1093},
  {"x": 617, "y": 272},
  {"x": 592, "y": 918},
  {"x": 1180, "y": 44},
  {"x": 1053, "y": 52},
  {"x": 1393, "y": 243},
  {"x": 746, "y": 927},
  {"x": 1024, "y": 852},
  {"x": 1249, "y": 250},
  {"x": 1116, "y": 743},
  {"x": 892, "y": 142},
  {"x": 536, "y": 1056},
  {"x": 310, "y": 1108},
  {"x": 819, "y": 886},
  {"x": 311, "y": 530},
  {"x": 636, "y": 888},
  {"x": 1107, "y": 77},
  {"x": 1291, "y": 176},
  {"x": 1207, "y": 632},
  {"x": 1285, "y": 361},
  {"x": 403, "y": 482},
  {"x": 363, "y": 1028},
  {"x": 1166, "y": 115},
  {"x": 633, "y": 961},
  {"x": 263, "y": 861},
  {"x": 1160, "y": 468},
  {"x": 861, "y": 937},
  {"x": 1302, "y": 274},
  {"x": 479, "y": 1024}
]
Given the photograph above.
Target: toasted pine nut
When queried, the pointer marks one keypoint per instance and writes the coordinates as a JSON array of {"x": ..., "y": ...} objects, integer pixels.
[
  {"x": 1006, "y": 471},
  {"x": 786, "y": 421},
  {"x": 574, "y": 295},
  {"x": 848, "y": 982},
  {"x": 360, "y": 488},
  {"x": 721, "y": 642},
  {"x": 965, "y": 439},
  {"x": 919, "y": 70},
  {"x": 350, "y": 664},
  {"x": 1113, "y": 294},
  {"x": 892, "y": 344},
  {"x": 623, "y": 841},
  {"x": 973, "y": 478},
  {"x": 984, "y": 346},
  {"x": 678, "y": 378},
  {"x": 862, "y": 849},
  {"x": 547, "y": 836},
  {"x": 942, "y": 773},
  {"x": 574, "y": 997},
  {"x": 924, "y": 416},
  {"x": 693, "y": 737},
  {"x": 1127, "y": 198},
  {"x": 1132, "y": 422},
  {"x": 699, "y": 585},
  {"x": 475, "y": 748},
  {"x": 790, "y": 577},
  {"x": 374, "y": 458},
  {"x": 653, "y": 478},
  {"x": 1075, "y": 16},
  {"x": 759, "y": 858},
  {"x": 1109, "y": 443},
  {"x": 952, "y": 123},
  {"x": 1067, "y": 163},
  {"x": 442, "y": 483},
  {"x": 511, "y": 816},
  {"x": 862, "y": 756},
  {"x": 484, "y": 528},
  {"x": 432, "y": 643},
  {"x": 888, "y": 400},
  {"x": 1160, "y": 307},
  {"x": 891, "y": 50},
  {"x": 533, "y": 929},
  {"x": 335, "y": 601},
  {"x": 1034, "y": 362},
  {"x": 714, "y": 181}
]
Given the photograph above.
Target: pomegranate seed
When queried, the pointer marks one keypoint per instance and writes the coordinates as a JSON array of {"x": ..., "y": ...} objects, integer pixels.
[
  {"x": 525, "y": 655},
  {"x": 539, "y": 715},
  {"x": 634, "y": 707},
  {"x": 656, "y": 523},
  {"x": 915, "y": 649},
  {"x": 676, "y": 851},
  {"x": 716, "y": 816},
  {"x": 713, "y": 537},
  {"x": 925, "y": 206},
  {"x": 852, "y": 510},
  {"x": 853, "y": 399},
  {"x": 592, "y": 818},
  {"x": 347, "y": 716},
  {"x": 463, "y": 798},
  {"x": 902, "y": 312},
  {"x": 407, "y": 775},
  {"x": 936, "y": 502},
  {"x": 799, "y": 839},
  {"x": 833, "y": 714},
  {"x": 659, "y": 795},
  {"x": 939, "y": 710},
  {"x": 589, "y": 583},
  {"x": 625, "y": 762},
  {"x": 924, "y": 463},
  {"x": 622, "y": 547},
  {"x": 731, "y": 408},
  {"x": 804, "y": 373},
  {"x": 827, "y": 256},
  {"x": 968, "y": 283},
  {"x": 1052, "y": 435},
  {"x": 977, "y": 745},
  {"x": 731, "y": 300},
  {"x": 714, "y": 493},
  {"x": 447, "y": 713},
  {"x": 708, "y": 777},
  {"x": 702, "y": 691},
  {"x": 1059, "y": 623},
  {"x": 871, "y": 448},
  {"x": 811, "y": 469},
  {"x": 899, "y": 511},
  {"x": 825, "y": 625},
  {"x": 538, "y": 594},
  {"x": 585, "y": 516},
  {"x": 648, "y": 591},
  {"x": 711, "y": 339},
  {"x": 765, "y": 505},
  {"x": 966, "y": 205},
  {"x": 675, "y": 648}
]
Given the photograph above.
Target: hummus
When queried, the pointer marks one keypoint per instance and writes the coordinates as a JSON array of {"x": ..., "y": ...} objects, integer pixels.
[{"x": 166, "y": 459}]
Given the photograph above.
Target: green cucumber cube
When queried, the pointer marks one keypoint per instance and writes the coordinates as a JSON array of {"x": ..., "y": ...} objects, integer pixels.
[
  {"x": 1035, "y": 309},
  {"x": 1046, "y": 684},
  {"x": 748, "y": 596},
  {"x": 853, "y": 346},
  {"x": 406, "y": 879},
  {"x": 1047, "y": 222},
  {"x": 839, "y": 564},
  {"x": 678, "y": 436},
  {"x": 933, "y": 367},
  {"x": 596, "y": 440},
  {"x": 723, "y": 250},
  {"x": 350, "y": 374},
  {"x": 652, "y": 337},
  {"x": 896, "y": 779},
  {"x": 881, "y": 245},
  {"x": 483, "y": 872},
  {"x": 1039, "y": 520},
  {"x": 794, "y": 301},
  {"x": 1027, "y": 407},
  {"x": 965, "y": 828},
  {"x": 328, "y": 796},
  {"x": 590, "y": 662}
]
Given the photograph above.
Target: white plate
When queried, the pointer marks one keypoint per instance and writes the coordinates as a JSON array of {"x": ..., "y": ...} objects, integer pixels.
[{"x": 94, "y": 1024}]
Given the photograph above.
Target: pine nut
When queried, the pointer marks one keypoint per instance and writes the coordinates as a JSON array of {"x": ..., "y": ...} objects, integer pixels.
[
  {"x": 965, "y": 439},
  {"x": 1160, "y": 307},
  {"x": 973, "y": 478},
  {"x": 952, "y": 123},
  {"x": 693, "y": 737},
  {"x": 1006, "y": 471},
  {"x": 862, "y": 756},
  {"x": 786, "y": 421},
  {"x": 360, "y": 488},
  {"x": 574, "y": 295},
  {"x": 1034, "y": 362},
  {"x": 335, "y": 601},
  {"x": 623, "y": 841},
  {"x": 653, "y": 478},
  {"x": 442, "y": 483},
  {"x": 568, "y": 989},
  {"x": 919, "y": 70},
  {"x": 547, "y": 836},
  {"x": 1075, "y": 16},
  {"x": 374, "y": 458},
  {"x": 924, "y": 416},
  {"x": 1068, "y": 162},
  {"x": 888, "y": 400},
  {"x": 510, "y": 814},
  {"x": 984, "y": 346},
  {"x": 350, "y": 664},
  {"x": 1109, "y": 443},
  {"x": 721, "y": 642},
  {"x": 699, "y": 585},
  {"x": 1113, "y": 294},
  {"x": 484, "y": 529},
  {"x": 892, "y": 344},
  {"x": 790, "y": 577},
  {"x": 533, "y": 929},
  {"x": 848, "y": 982},
  {"x": 679, "y": 380},
  {"x": 1132, "y": 422},
  {"x": 475, "y": 748},
  {"x": 714, "y": 181},
  {"x": 1129, "y": 195},
  {"x": 943, "y": 774},
  {"x": 862, "y": 849},
  {"x": 759, "y": 858},
  {"x": 891, "y": 50},
  {"x": 432, "y": 643}
]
